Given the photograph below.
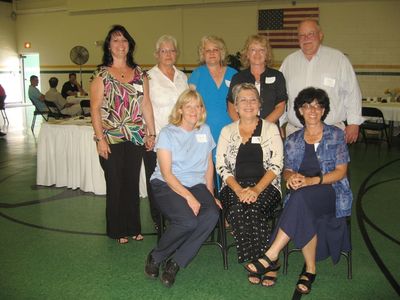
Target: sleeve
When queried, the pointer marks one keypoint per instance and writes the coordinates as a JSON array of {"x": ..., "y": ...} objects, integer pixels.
[
  {"x": 288, "y": 158},
  {"x": 234, "y": 82},
  {"x": 194, "y": 77},
  {"x": 351, "y": 93},
  {"x": 281, "y": 93},
  {"x": 342, "y": 152},
  {"x": 272, "y": 143},
  {"x": 222, "y": 167},
  {"x": 211, "y": 139},
  {"x": 164, "y": 140}
]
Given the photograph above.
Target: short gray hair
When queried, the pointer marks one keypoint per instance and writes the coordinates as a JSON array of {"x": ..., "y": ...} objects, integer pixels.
[
  {"x": 166, "y": 39},
  {"x": 244, "y": 86}
]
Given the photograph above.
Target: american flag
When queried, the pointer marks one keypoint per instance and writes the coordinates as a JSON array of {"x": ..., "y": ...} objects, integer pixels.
[{"x": 280, "y": 25}]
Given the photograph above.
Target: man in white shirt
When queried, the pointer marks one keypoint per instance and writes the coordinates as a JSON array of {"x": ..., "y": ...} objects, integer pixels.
[
  {"x": 54, "y": 96},
  {"x": 326, "y": 68}
]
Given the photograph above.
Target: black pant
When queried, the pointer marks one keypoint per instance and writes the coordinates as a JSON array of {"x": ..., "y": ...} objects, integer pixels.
[
  {"x": 186, "y": 232},
  {"x": 150, "y": 161},
  {"x": 122, "y": 171}
]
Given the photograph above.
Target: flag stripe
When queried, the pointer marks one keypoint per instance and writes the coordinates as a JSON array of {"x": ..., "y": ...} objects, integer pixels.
[{"x": 280, "y": 25}]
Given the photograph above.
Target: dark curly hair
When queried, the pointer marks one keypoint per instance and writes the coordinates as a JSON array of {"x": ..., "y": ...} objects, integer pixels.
[
  {"x": 107, "y": 57},
  {"x": 308, "y": 95}
]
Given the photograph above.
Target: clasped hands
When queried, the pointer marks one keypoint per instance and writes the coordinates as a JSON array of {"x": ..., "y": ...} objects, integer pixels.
[
  {"x": 247, "y": 195},
  {"x": 296, "y": 181}
]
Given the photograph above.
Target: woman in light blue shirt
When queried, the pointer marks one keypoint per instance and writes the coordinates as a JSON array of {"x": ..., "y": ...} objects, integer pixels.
[{"x": 182, "y": 185}]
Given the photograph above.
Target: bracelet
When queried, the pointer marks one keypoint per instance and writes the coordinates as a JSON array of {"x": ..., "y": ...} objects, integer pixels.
[
  {"x": 96, "y": 139},
  {"x": 321, "y": 178}
]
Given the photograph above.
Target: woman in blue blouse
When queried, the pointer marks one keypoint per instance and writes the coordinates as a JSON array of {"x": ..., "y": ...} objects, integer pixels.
[
  {"x": 212, "y": 80},
  {"x": 320, "y": 198},
  {"x": 183, "y": 186}
]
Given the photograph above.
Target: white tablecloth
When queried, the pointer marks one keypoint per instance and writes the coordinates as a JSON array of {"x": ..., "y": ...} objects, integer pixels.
[
  {"x": 67, "y": 156},
  {"x": 76, "y": 99},
  {"x": 391, "y": 110}
]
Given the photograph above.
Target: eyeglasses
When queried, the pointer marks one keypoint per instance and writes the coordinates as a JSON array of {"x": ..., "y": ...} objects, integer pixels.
[
  {"x": 167, "y": 51},
  {"x": 310, "y": 35},
  {"x": 309, "y": 106},
  {"x": 251, "y": 101},
  {"x": 209, "y": 51}
]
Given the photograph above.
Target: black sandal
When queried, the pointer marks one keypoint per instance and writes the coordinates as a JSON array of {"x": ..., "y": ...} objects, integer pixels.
[
  {"x": 252, "y": 275},
  {"x": 306, "y": 282},
  {"x": 260, "y": 269},
  {"x": 273, "y": 279}
]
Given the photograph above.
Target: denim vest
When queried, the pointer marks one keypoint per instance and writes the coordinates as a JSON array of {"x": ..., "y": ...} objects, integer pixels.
[{"x": 331, "y": 151}]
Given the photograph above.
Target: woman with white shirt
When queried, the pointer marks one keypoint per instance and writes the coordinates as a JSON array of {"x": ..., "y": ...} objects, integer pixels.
[{"x": 166, "y": 84}]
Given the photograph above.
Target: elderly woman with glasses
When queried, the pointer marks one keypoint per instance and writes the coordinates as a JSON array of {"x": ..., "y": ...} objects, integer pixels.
[
  {"x": 250, "y": 161},
  {"x": 319, "y": 197},
  {"x": 166, "y": 83}
]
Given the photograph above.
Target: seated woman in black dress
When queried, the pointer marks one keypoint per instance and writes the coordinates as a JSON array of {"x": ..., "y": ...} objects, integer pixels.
[
  {"x": 250, "y": 161},
  {"x": 320, "y": 198}
]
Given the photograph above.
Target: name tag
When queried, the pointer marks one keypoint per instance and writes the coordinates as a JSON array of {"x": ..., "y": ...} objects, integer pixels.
[
  {"x": 269, "y": 80},
  {"x": 227, "y": 82},
  {"x": 329, "y": 82},
  {"x": 256, "y": 140},
  {"x": 201, "y": 138}
]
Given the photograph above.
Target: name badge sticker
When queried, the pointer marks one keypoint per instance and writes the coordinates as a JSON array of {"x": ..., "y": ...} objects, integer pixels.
[
  {"x": 329, "y": 82},
  {"x": 256, "y": 140},
  {"x": 201, "y": 138},
  {"x": 269, "y": 80},
  {"x": 227, "y": 82}
]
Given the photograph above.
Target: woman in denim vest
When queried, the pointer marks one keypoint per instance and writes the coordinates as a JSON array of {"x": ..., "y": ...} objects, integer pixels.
[{"x": 319, "y": 196}]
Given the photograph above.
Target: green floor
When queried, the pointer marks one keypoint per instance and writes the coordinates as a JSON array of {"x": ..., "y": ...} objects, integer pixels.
[{"x": 53, "y": 244}]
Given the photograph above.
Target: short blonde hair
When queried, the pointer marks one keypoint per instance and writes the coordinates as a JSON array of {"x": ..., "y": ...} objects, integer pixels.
[
  {"x": 175, "y": 118},
  {"x": 263, "y": 41},
  {"x": 245, "y": 86},
  {"x": 219, "y": 42},
  {"x": 166, "y": 39}
]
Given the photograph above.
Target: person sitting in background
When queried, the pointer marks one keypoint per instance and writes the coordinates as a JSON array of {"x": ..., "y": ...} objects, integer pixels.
[
  {"x": 183, "y": 187},
  {"x": 72, "y": 87},
  {"x": 54, "y": 96},
  {"x": 319, "y": 198},
  {"x": 35, "y": 95},
  {"x": 250, "y": 161}
]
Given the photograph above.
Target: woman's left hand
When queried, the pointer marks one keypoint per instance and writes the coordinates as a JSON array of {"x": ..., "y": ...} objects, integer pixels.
[
  {"x": 150, "y": 142},
  {"x": 250, "y": 195}
]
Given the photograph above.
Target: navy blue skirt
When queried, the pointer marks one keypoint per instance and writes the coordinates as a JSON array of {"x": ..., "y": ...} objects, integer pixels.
[{"x": 311, "y": 211}]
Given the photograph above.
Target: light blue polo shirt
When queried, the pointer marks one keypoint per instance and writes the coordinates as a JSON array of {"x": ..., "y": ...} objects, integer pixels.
[{"x": 189, "y": 149}]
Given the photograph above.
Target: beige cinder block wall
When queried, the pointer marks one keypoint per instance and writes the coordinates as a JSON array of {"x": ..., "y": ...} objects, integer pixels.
[{"x": 364, "y": 30}]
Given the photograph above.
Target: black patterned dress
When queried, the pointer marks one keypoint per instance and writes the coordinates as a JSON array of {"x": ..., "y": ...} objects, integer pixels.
[{"x": 251, "y": 223}]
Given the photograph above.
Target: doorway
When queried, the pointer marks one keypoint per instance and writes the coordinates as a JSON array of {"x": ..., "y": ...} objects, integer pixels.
[{"x": 30, "y": 65}]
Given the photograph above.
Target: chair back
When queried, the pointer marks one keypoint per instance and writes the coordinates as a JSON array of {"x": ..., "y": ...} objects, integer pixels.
[
  {"x": 54, "y": 111},
  {"x": 372, "y": 112},
  {"x": 39, "y": 111},
  {"x": 85, "y": 106}
]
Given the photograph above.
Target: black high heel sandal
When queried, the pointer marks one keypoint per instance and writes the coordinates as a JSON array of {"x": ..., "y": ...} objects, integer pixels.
[
  {"x": 260, "y": 269},
  {"x": 306, "y": 282}
]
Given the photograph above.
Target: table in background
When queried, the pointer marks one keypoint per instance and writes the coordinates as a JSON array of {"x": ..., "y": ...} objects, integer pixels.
[{"x": 67, "y": 157}]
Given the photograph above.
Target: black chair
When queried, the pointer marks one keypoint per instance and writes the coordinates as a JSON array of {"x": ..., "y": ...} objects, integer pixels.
[
  {"x": 3, "y": 109},
  {"x": 376, "y": 124},
  {"x": 38, "y": 111},
  {"x": 347, "y": 255},
  {"x": 85, "y": 105},
  {"x": 54, "y": 111}
]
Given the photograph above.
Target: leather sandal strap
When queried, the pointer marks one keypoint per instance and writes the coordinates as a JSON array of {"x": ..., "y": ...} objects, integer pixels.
[{"x": 306, "y": 283}]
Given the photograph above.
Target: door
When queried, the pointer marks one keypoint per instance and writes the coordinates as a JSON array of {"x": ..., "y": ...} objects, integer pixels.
[{"x": 29, "y": 66}]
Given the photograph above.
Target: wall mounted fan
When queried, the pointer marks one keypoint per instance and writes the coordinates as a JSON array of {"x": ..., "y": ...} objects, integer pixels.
[{"x": 79, "y": 55}]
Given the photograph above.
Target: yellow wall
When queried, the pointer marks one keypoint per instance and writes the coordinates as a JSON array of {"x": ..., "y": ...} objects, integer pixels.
[{"x": 365, "y": 30}]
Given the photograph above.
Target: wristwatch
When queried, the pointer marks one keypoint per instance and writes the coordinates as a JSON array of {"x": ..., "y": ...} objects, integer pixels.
[{"x": 96, "y": 139}]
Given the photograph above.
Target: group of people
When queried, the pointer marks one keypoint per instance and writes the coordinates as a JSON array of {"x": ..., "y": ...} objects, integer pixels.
[
  {"x": 181, "y": 127},
  {"x": 70, "y": 88}
]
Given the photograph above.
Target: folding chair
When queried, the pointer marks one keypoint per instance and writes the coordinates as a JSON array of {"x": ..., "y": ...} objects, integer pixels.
[
  {"x": 38, "y": 111},
  {"x": 3, "y": 109},
  {"x": 85, "y": 105},
  {"x": 54, "y": 110},
  {"x": 375, "y": 123}
]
